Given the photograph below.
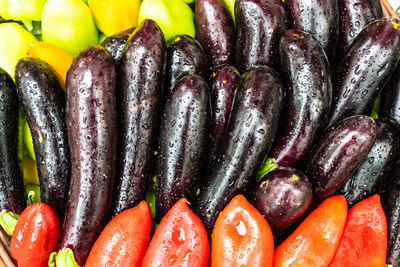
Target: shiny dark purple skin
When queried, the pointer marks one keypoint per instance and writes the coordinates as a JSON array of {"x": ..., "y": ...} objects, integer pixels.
[
  {"x": 43, "y": 101},
  {"x": 141, "y": 78},
  {"x": 371, "y": 176},
  {"x": 354, "y": 16},
  {"x": 260, "y": 25},
  {"x": 182, "y": 143},
  {"x": 320, "y": 18},
  {"x": 12, "y": 193},
  {"x": 392, "y": 211},
  {"x": 251, "y": 131},
  {"x": 282, "y": 197},
  {"x": 390, "y": 101},
  {"x": 338, "y": 153},
  {"x": 223, "y": 83},
  {"x": 215, "y": 31},
  {"x": 308, "y": 97},
  {"x": 92, "y": 134},
  {"x": 365, "y": 69},
  {"x": 185, "y": 56},
  {"x": 116, "y": 43}
]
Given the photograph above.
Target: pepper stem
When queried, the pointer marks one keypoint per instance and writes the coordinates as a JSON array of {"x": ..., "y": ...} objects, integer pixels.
[
  {"x": 267, "y": 166},
  {"x": 64, "y": 258},
  {"x": 8, "y": 220}
]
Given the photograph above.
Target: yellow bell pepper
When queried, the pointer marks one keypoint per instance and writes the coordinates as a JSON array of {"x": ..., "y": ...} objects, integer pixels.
[
  {"x": 57, "y": 58},
  {"x": 113, "y": 16}
]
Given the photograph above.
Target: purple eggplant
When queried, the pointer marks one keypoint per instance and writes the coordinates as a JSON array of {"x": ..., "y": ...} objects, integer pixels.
[
  {"x": 390, "y": 101},
  {"x": 223, "y": 85},
  {"x": 371, "y": 176},
  {"x": 12, "y": 193},
  {"x": 251, "y": 131},
  {"x": 338, "y": 153},
  {"x": 182, "y": 142},
  {"x": 215, "y": 30},
  {"x": 116, "y": 43},
  {"x": 354, "y": 16},
  {"x": 43, "y": 102},
  {"x": 308, "y": 97},
  {"x": 185, "y": 56},
  {"x": 92, "y": 134},
  {"x": 282, "y": 197},
  {"x": 392, "y": 210},
  {"x": 140, "y": 99},
  {"x": 320, "y": 18},
  {"x": 368, "y": 64},
  {"x": 260, "y": 25}
]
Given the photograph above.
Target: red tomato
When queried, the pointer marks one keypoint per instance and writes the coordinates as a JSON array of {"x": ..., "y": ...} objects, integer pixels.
[
  {"x": 179, "y": 240},
  {"x": 241, "y": 237}
]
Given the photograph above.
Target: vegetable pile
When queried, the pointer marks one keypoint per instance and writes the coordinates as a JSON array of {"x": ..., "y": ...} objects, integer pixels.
[{"x": 199, "y": 133}]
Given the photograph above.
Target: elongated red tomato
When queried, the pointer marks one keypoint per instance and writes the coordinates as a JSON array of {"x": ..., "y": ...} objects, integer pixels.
[
  {"x": 35, "y": 236},
  {"x": 364, "y": 241},
  {"x": 180, "y": 240},
  {"x": 241, "y": 237},
  {"x": 124, "y": 240},
  {"x": 315, "y": 241}
]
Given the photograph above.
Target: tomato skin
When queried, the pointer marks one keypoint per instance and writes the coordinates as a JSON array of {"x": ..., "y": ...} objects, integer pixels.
[
  {"x": 315, "y": 241},
  {"x": 364, "y": 240},
  {"x": 35, "y": 236},
  {"x": 179, "y": 240},
  {"x": 124, "y": 240},
  {"x": 241, "y": 237}
]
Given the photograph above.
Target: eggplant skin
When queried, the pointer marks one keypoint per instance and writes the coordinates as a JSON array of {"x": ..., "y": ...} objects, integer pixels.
[
  {"x": 185, "y": 56},
  {"x": 92, "y": 134},
  {"x": 252, "y": 128},
  {"x": 364, "y": 71},
  {"x": 308, "y": 97},
  {"x": 140, "y": 98},
  {"x": 12, "y": 193},
  {"x": 390, "y": 101},
  {"x": 224, "y": 82},
  {"x": 392, "y": 210},
  {"x": 115, "y": 44},
  {"x": 182, "y": 143},
  {"x": 320, "y": 18},
  {"x": 43, "y": 102},
  {"x": 260, "y": 25},
  {"x": 338, "y": 153},
  {"x": 282, "y": 197},
  {"x": 215, "y": 31},
  {"x": 371, "y": 176},
  {"x": 354, "y": 16}
]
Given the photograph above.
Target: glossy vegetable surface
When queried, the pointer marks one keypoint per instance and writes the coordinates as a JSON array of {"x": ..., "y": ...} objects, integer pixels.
[
  {"x": 390, "y": 102},
  {"x": 92, "y": 132},
  {"x": 116, "y": 43},
  {"x": 241, "y": 237}
]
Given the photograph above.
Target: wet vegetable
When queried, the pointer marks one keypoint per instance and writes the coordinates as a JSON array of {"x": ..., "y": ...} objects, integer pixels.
[
  {"x": 116, "y": 43},
  {"x": 390, "y": 102}
]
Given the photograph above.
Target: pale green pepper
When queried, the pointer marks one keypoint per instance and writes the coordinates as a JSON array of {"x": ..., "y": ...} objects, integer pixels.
[
  {"x": 25, "y": 10},
  {"x": 69, "y": 25},
  {"x": 174, "y": 17}
]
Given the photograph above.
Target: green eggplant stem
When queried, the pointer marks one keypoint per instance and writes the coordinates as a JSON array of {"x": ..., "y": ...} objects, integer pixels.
[
  {"x": 64, "y": 258},
  {"x": 267, "y": 166},
  {"x": 8, "y": 220}
]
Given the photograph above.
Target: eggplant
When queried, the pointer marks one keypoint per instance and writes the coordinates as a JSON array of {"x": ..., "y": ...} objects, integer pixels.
[
  {"x": 12, "y": 193},
  {"x": 140, "y": 99},
  {"x": 320, "y": 18},
  {"x": 116, "y": 43},
  {"x": 224, "y": 82},
  {"x": 338, "y": 153},
  {"x": 185, "y": 56},
  {"x": 369, "y": 62},
  {"x": 308, "y": 97},
  {"x": 92, "y": 134},
  {"x": 392, "y": 210},
  {"x": 43, "y": 102},
  {"x": 215, "y": 31},
  {"x": 354, "y": 16},
  {"x": 182, "y": 143},
  {"x": 371, "y": 176},
  {"x": 282, "y": 197},
  {"x": 260, "y": 25},
  {"x": 390, "y": 100},
  {"x": 252, "y": 128}
]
